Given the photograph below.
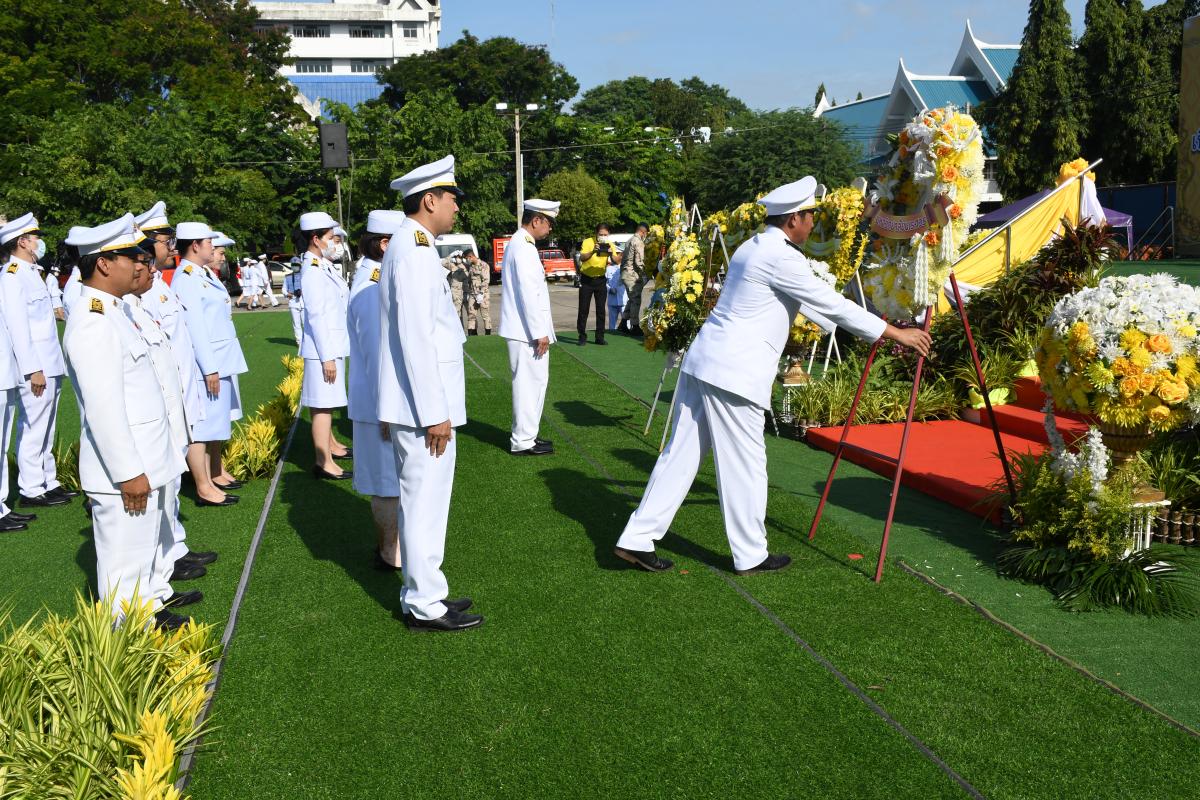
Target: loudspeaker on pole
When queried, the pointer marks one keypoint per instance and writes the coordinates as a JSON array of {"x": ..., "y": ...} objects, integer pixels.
[{"x": 335, "y": 153}]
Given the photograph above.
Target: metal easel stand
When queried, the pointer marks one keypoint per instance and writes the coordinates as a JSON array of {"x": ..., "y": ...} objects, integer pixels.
[{"x": 898, "y": 460}]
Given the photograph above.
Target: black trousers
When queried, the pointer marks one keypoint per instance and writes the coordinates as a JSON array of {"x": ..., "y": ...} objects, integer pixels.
[{"x": 592, "y": 290}]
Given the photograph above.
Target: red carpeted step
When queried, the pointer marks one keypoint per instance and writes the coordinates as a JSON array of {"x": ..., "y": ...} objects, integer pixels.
[
  {"x": 952, "y": 460},
  {"x": 1028, "y": 423},
  {"x": 1029, "y": 392}
]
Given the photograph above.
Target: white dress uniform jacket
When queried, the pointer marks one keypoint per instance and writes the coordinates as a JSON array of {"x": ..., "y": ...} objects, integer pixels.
[
  {"x": 739, "y": 345},
  {"x": 374, "y": 459},
  {"x": 291, "y": 287},
  {"x": 421, "y": 381},
  {"x": 56, "y": 293},
  {"x": 71, "y": 290},
  {"x": 325, "y": 296},
  {"x": 524, "y": 298},
  {"x": 209, "y": 319},
  {"x": 29, "y": 312},
  {"x": 10, "y": 379},
  {"x": 162, "y": 304},
  {"x": 126, "y": 431}
]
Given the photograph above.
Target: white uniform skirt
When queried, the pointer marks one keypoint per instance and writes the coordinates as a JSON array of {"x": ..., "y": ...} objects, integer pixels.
[
  {"x": 374, "y": 462},
  {"x": 316, "y": 393},
  {"x": 219, "y": 412}
]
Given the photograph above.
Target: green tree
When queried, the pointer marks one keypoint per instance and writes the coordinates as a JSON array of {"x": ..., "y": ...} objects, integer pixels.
[
  {"x": 781, "y": 146},
  {"x": 479, "y": 73},
  {"x": 1101, "y": 50},
  {"x": 820, "y": 93},
  {"x": 584, "y": 205},
  {"x": 680, "y": 106},
  {"x": 388, "y": 142},
  {"x": 1036, "y": 124}
]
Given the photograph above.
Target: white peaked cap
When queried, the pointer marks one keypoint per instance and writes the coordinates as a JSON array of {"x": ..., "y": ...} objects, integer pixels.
[
  {"x": 547, "y": 207},
  {"x": 316, "y": 221},
  {"x": 26, "y": 223},
  {"x": 438, "y": 175},
  {"x": 154, "y": 218},
  {"x": 384, "y": 221},
  {"x": 221, "y": 240},
  {"x": 191, "y": 231},
  {"x": 120, "y": 234},
  {"x": 797, "y": 196}
]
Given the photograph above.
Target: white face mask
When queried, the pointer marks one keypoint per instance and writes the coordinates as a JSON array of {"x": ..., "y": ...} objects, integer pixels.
[
  {"x": 41, "y": 249},
  {"x": 332, "y": 252},
  {"x": 338, "y": 251}
]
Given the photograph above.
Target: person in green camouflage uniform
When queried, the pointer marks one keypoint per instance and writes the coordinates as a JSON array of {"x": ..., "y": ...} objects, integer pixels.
[
  {"x": 478, "y": 296},
  {"x": 459, "y": 276}
]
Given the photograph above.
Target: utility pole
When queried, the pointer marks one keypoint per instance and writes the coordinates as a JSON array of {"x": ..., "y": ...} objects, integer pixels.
[{"x": 519, "y": 160}]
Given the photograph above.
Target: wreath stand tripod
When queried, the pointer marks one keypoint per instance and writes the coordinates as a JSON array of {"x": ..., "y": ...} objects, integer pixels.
[{"x": 897, "y": 461}]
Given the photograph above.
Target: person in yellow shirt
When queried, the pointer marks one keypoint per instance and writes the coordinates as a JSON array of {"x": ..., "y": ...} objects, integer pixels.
[{"x": 595, "y": 254}]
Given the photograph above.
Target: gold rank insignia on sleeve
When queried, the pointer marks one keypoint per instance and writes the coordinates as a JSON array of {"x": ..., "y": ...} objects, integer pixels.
[
  {"x": 97, "y": 306},
  {"x": 187, "y": 270},
  {"x": 529, "y": 238},
  {"x": 375, "y": 275},
  {"x": 12, "y": 268},
  {"x": 162, "y": 298},
  {"x": 421, "y": 238}
]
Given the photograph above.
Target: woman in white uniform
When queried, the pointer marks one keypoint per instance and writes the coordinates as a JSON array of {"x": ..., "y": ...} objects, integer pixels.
[
  {"x": 325, "y": 343},
  {"x": 374, "y": 458},
  {"x": 209, "y": 319}
]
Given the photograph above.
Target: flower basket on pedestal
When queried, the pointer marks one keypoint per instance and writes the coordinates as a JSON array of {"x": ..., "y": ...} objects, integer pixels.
[{"x": 1124, "y": 443}]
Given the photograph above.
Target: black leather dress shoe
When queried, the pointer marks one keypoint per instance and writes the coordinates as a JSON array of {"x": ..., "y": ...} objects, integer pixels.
[
  {"x": 582, "y": 341},
  {"x": 228, "y": 487},
  {"x": 647, "y": 561},
  {"x": 21, "y": 517},
  {"x": 8, "y": 524},
  {"x": 450, "y": 621},
  {"x": 46, "y": 499},
  {"x": 548, "y": 442},
  {"x": 321, "y": 474},
  {"x": 197, "y": 558},
  {"x": 164, "y": 619},
  {"x": 538, "y": 449},
  {"x": 230, "y": 500},
  {"x": 459, "y": 604},
  {"x": 772, "y": 563},
  {"x": 187, "y": 572},
  {"x": 601, "y": 341},
  {"x": 59, "y": 491},
  {"x": 346, "y": 456},
  {"x": 178, "y": 599}
]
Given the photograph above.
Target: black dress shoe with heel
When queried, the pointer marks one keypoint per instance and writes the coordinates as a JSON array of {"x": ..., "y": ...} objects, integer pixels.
[
  {"x": 322, "y": 475},
  {"x": 346, "y": 456},
  {"x": 772, "y": 563},
  {"x": 230, "y": 500},
  {"x": 228, "y": 487}
]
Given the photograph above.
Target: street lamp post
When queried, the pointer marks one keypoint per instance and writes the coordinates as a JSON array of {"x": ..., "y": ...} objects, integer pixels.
[{"x": 503, "y": 108}]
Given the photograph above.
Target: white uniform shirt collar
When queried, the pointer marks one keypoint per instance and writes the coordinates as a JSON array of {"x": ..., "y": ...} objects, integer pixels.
[{"x": 108, "y": 299}]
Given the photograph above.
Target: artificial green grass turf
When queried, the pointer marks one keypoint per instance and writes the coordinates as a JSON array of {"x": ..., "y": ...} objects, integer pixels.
[
  {"x": 44, "y": 566},
  {"x": 1185, "y": 270},
  {"x": 594, "y": 680},
  {"x": 1150, "y": 658}
]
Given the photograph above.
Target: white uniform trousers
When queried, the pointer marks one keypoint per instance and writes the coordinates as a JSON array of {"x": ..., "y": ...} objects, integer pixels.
[
  {"x": 426, "y": 484},
  {"x": 36, "y": 471},
  {"x": 732, "y": 427},
  {"x": 130, "y": 546},
  {"x": 178, "y": 547},
  {"x": 530, "y": 377},
  {"x": 7, "y": 413},
  {"x": 297, "y": 312}
]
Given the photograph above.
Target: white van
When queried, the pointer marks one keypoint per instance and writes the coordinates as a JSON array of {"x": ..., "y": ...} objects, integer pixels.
[{"x": 448, "y": 243}]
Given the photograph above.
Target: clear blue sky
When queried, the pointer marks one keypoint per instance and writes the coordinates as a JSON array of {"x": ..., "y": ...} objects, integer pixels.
[{"x": 770, "y": 53}]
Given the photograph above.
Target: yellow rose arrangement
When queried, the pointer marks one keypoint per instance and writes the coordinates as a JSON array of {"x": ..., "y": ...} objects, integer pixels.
[
  {"x": 922, "y": 208},
  {"x": 1126, "y": 351},
  {"x": 682, "y": 297},
  {"x": 837, "y": 236}
]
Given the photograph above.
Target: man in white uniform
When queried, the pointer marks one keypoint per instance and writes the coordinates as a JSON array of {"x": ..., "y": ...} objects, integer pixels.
[
  {"x": 128, "y": 458},
  {"x": 422, "y": 391},
  {"x": 10, "y": 379},
  {"x": 264, "y": 280},
  {"x": 374, "y": 460},
  {"x": 725, "y": 384},
  {"x": 526, "y": 326},
  {"x": 29, "y": 312},
  {"x": 163, "y": 307}
]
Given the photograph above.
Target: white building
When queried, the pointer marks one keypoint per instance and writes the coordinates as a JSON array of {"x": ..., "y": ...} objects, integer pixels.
[{"x": 340, "y": 45}]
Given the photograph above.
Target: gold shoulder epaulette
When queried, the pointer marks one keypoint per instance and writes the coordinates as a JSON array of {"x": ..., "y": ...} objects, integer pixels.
[
  {"x": 187, "y": 270},
  {"x": 97, "y": 306},
  {"x": 12, "y": 268},
  {"x": 529, "y": 238},
  {"x": 421, "y": 238},
  {"x": 375, "y": 275}
]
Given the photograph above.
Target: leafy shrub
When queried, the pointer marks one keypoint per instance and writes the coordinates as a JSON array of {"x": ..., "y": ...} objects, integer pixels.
[
  {"x": 93, "y": 710},
  {"x": 253, "y": 449},
  {"x": 66, "y": 462}
]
